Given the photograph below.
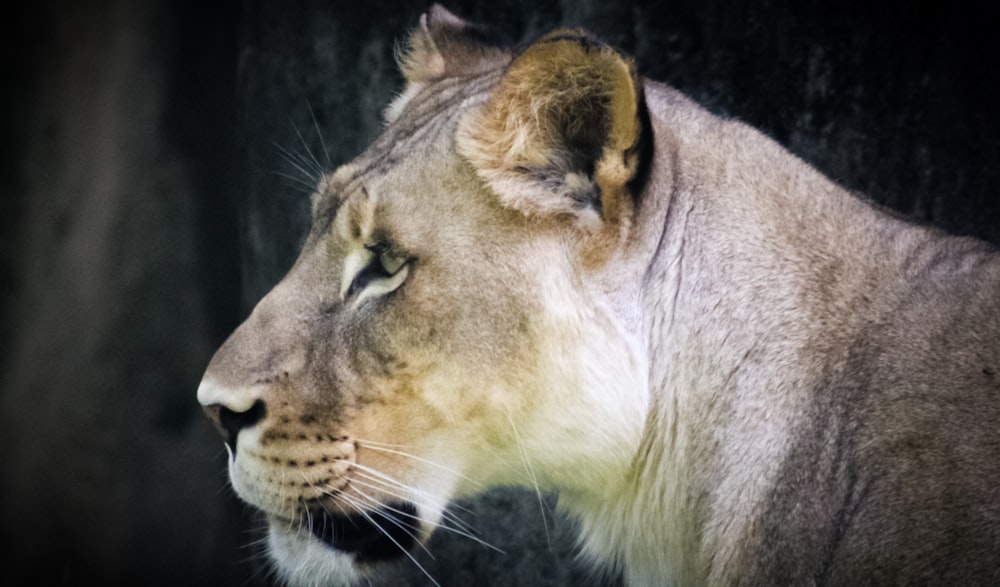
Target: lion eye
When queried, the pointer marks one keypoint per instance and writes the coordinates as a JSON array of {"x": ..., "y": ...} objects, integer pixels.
[
  {"x": 392, "y": 263},
  {"x": 373, "y": 271}
]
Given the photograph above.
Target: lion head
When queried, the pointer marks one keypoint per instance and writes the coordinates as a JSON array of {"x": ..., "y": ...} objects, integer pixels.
[{"x": 459, "y": 316}]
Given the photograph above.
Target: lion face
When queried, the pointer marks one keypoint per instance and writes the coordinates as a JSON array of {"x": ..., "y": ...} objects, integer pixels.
[
  {"x": 442, "y": 331},
  {"x": 375, "y": 362}
]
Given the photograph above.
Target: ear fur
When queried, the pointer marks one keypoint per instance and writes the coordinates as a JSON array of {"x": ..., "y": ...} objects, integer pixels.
[
  {"x": 444, "y": 45},
  {"x": 560, "y": 134}
]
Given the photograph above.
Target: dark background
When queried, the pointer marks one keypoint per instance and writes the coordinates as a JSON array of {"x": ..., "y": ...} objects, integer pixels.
[{"x": 150, "y": 194}]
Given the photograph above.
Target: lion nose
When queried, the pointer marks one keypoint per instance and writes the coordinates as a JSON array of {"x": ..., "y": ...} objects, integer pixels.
[
  {"x": 229, "y": 422},
  {"x": 230, "y": 411}
]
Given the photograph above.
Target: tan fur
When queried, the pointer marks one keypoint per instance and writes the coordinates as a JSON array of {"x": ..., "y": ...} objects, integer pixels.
[
  {"x": 734, "y": 371},
  {"x": 565, "y": 94}
]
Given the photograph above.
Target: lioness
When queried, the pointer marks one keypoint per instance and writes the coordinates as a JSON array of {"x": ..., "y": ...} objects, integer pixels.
[{"x": 551, "y": 272}]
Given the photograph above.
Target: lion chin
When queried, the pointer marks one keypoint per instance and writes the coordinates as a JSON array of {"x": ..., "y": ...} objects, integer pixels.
[
  {"x": 339, "y": 549},
  {"x": 307, "y": 560}
]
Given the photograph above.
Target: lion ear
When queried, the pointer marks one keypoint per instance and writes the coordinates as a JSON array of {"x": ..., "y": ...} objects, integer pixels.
[
  {"x": 560, "y": 134},
  {"x": 443, "y": 45}
]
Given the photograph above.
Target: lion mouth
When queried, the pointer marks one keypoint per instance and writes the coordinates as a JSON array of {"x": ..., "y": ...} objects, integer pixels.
[{"x": 382, "y": 534}]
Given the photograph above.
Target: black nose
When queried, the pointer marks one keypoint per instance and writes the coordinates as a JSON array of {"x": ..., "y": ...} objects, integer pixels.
[{"x": 229, "y": 422}]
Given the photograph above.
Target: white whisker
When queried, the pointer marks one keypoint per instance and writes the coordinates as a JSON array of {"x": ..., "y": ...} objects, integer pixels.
[
  {"x": 393, "y": 482},
  {"x": 394, "y": 541},
  {"x": 423, "y": 460},
  {"x": 297, "y": 162},
  {"x": 410, "y": 492},
  {"x": 315, "y": 162},
  {"x": 534, "y": 479},
  {"x": 379, "y": 485},
  {"x": 319, "y": 133},
  {"x": 469, "y": 535},
  {"x": 301, "y": 163},
  {"x": 300, "y": 183},
  {"x": 379, "y": 475},
  {"x": 294, "y": 522},
  {"x": 397, "y": 490},
  {"x": 402, "y": 525},
  {"x": 258, "y": 555},
  {"x": 410, "y": 495},
  {"x": 459, "y": 526}
]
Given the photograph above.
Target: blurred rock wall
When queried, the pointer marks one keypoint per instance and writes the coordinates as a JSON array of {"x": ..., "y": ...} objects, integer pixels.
[
  {"x": 156, "y": 160},
  {"x": 118, "y": 178}
]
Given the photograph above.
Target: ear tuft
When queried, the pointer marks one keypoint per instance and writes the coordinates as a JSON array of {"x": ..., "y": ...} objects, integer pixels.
[
  {"x": 444, "y": 45},
  {"x": 560, "y": 134}
]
